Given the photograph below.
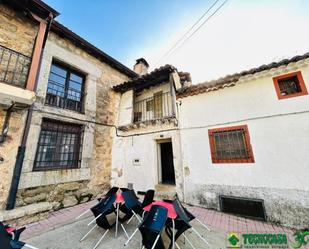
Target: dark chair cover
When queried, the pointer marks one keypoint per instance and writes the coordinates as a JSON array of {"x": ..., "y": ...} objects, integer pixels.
[
  {"x": 152, "y": 226},
  {"x": 181, "y": 222},
  {"x": 109, "y": 193},
  {"x": 131, "y": 202},
  {"x": 104, "y": 207},
  {"x": 148, "y": 199},
  {"x": 6, "y": 241}
]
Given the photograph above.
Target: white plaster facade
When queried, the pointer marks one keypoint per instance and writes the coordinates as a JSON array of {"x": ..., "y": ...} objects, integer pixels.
[
  {"x": 279, "y": 137},
  {"x": 136, "y": 152}
]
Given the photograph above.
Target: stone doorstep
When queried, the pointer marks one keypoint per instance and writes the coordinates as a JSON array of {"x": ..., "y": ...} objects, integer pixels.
[{"x": 28, "y": 210}]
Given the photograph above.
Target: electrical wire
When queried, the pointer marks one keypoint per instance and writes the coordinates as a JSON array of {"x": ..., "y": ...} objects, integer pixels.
[
  {"x": 188, "y": 31},
  {"x": 172, "y": 129},
  {"x": 174, "y": 48}
]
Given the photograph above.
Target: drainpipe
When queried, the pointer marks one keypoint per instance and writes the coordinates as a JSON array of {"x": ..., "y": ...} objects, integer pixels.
[
  {"x": 5, "y": 127},
  {"x": 184, "y": 184},
  {"x": 32, "y": 83}
]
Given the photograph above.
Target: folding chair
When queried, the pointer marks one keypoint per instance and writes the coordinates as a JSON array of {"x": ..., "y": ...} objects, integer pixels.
[
  {"x": 148, "y": 199},
  {"x": 109, "y": 193},
  {"x": 131, "y": 206},
  {"x": 182, "y": 224},
  {"x": 192, "y": 217},
  {"x": 9, "y": 238},
  {"x": 124, "y": 189},
  {"x": 151, "y": 228},
  {"x": 100, "y": 211}
]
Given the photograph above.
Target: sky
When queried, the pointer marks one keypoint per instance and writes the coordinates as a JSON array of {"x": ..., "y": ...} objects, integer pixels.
[{"x": 241, "y": 35}]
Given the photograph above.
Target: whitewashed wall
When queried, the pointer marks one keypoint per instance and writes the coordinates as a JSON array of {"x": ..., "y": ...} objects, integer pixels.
[
  {"x": 144, "y": 174},
  {"x": 279, "y": 132},
  {"x": 144, "y": 148}
]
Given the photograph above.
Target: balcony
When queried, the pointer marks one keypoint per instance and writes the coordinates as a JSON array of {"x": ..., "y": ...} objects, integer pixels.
[
  {"x": 14, "y": 67},
  {"x": 155, "y": 108}
]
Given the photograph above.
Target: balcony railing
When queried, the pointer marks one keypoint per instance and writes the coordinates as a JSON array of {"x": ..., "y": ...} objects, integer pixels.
[
  {"x": 14, "y": 67},
  {"x": 157, "y": 107}
]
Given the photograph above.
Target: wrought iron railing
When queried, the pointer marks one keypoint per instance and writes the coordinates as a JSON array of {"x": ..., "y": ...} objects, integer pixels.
[
  {"x": 157, "y": 107},
  {"x": 14, "y": 67}
]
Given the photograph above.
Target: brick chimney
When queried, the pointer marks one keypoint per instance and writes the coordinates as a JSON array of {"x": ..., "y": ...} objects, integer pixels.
[{"x": 141, "y": 66}]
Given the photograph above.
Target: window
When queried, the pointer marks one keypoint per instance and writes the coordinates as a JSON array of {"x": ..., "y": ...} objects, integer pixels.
[
  {"x": 149, "y": 105},
  {"x": 290, "y": 85},
  {"x": 65, "y": 88},
  {"x": 137, "y": 117},
  {"x": 158, "y": 102},
  {"x": 230, "y": 145},
  {"x": 59, "y": 146}
]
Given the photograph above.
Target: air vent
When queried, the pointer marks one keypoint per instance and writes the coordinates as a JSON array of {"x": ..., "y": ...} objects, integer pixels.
[{"x": 247, "y": 207}]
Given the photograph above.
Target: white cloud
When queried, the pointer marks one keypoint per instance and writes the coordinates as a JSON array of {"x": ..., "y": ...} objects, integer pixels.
[{"x": 243, "y": 34}]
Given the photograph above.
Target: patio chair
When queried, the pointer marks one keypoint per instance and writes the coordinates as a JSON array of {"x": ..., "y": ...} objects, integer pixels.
[
  {"x": 9, "y": 238},
  {"x": 192, "y": 217},
  {"x": 100, "y": 212},
  {"x": 124, "y": 189},
  {"x": 148, "y": 199},
  {"x": 151, "y": 228},
  {"x": 109, "y": 193},
  {"x": 131, "y": 206},
  {"x": 182, "y": 224}
]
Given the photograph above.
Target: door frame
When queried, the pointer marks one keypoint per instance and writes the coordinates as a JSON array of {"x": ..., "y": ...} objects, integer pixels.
[{"x": 159, "y": 164}]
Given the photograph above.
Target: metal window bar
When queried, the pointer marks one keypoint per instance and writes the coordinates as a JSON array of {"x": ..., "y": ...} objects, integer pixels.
[
  {"x": 289, "y": 85},
  {"x": 14, "y": 67},
  {"x": 60, "y": 92},
  {"x": 157, "y": 107},
  {"x": 59, "y": 146},
  {"x": 230, "y": 145}
]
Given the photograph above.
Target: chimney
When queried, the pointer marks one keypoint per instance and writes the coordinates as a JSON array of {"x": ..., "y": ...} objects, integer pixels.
[
  {"x": 141, "y": 66},
  {"x": 185, "y": 79}
]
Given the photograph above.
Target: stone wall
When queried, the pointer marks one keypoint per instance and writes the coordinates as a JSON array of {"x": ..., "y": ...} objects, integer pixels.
[
  {"x": 17, "y": 32},
  {"x": 45, "y": 191},
  {"x": 8, "y": 151}
]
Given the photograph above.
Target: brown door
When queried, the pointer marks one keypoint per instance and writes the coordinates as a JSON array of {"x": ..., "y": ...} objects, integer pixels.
[{"x": 157, "y": 101}]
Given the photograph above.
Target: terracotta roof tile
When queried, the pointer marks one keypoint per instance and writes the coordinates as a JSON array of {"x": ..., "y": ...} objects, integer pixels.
[
  {"x": 230, "y": 80},
  {"x": 157, "y": 76}
]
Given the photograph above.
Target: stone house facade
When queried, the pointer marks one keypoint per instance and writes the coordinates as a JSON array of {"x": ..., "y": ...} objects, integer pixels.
[
  {"x": 82, "y": 121},
  {"x": 239, "y": 142},
  {"x": 67, "y": 156},
  {"x": 23, "y": 27},
  {"x": 147, "y": 123}
]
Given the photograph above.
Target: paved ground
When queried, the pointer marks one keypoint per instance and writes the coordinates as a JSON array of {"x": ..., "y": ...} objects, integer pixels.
[{"x": 62, "y": 231}]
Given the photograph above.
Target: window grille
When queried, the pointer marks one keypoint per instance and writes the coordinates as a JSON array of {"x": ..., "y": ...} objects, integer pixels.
[
  {"x": 65, "y": 88},
  {"x": 14, "y": 67},
  {"x": 59, "y": 146},
  {"x": 230, "y": 145},
  {"x": 157, "y": 107},
  {"x": 289, "y": 85}
]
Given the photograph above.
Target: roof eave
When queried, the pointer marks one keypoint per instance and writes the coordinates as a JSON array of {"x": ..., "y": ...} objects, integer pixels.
[{"x": 91, "y": 49}]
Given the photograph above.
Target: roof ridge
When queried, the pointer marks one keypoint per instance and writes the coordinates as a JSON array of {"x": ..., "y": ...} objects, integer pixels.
[{"x": 233, "y": 78}]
